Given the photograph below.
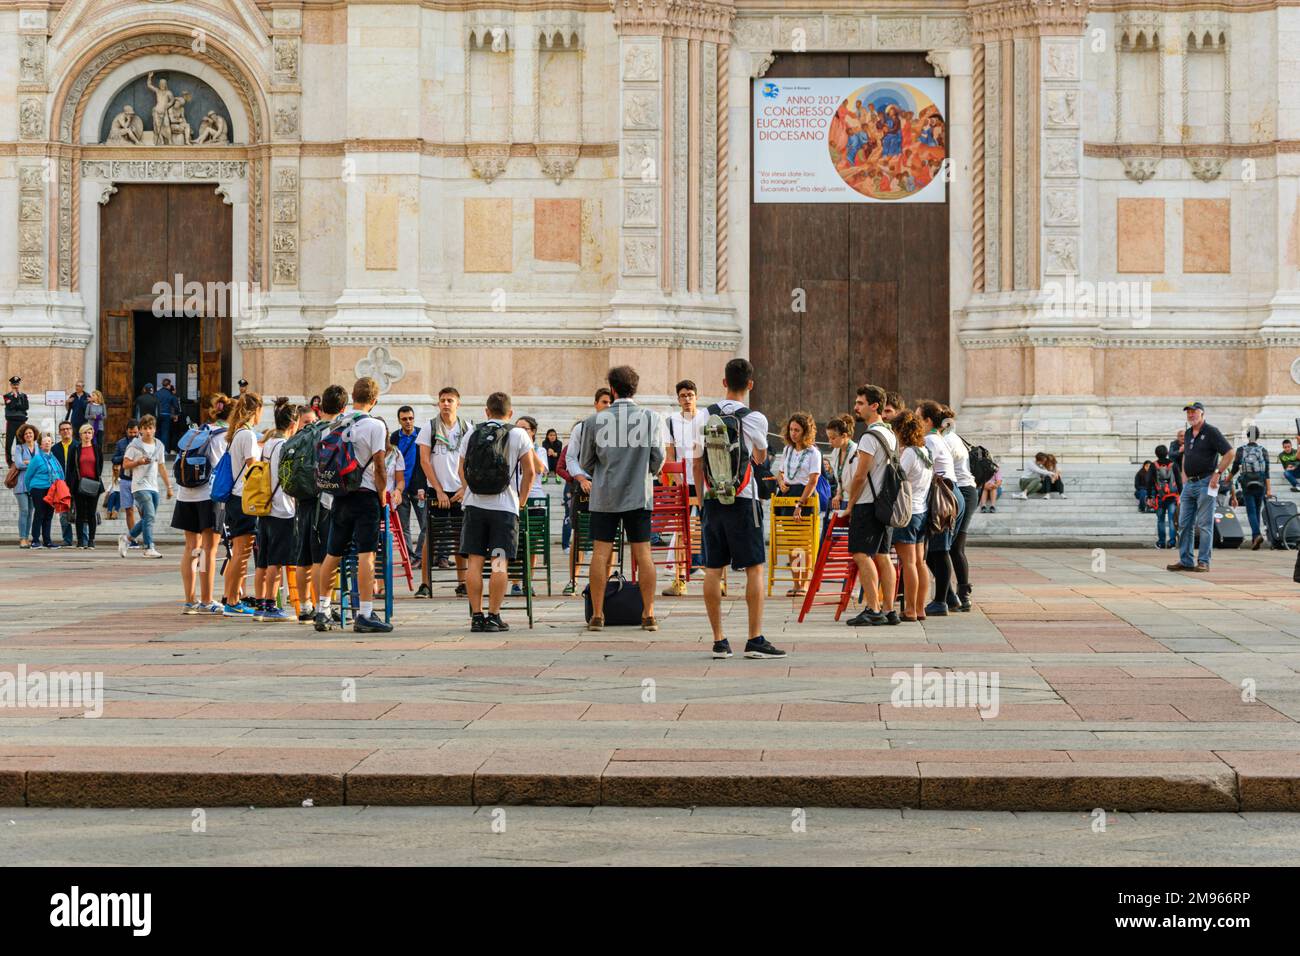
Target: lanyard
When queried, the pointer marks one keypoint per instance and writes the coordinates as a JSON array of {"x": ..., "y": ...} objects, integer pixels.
[{"x": 803, "y": 456}]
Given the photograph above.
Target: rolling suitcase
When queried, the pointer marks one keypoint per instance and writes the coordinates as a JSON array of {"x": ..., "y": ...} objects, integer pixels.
[
  {"x": 1277, "y": 514},
  {"x": 1227, "y": 529}
]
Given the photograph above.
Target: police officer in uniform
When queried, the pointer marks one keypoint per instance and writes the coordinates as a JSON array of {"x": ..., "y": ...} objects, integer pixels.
[{"x": 15, "y": 414}]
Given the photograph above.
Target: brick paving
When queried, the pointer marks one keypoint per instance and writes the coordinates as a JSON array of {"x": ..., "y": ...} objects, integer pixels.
[{"x": 1120, "y": 687}]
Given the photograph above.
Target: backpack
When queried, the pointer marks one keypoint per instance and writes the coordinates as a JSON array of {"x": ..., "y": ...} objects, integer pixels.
[
  {"x": 259, "y": 488},
  {"x": 728, "y": 467},
  {"x": 1254, "y": 460},
  {"x": 942, "y": 504},
  {"x": 192, "y": 468},
  {"x": 824, "y": 493},
  {"x": 892, "y": 501},
  {"x": 981, "y": 463},
  {"x": 223, "y": 479},
  {"x": 337, "y": 468},
  {"x": 298, "y": 462},
  {"x": 1164, "y": 481},
  {"x": 486, "y": 470}
]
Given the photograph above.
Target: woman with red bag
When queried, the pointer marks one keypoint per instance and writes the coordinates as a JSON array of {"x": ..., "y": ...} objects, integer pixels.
[
  {"x": 43, "y": 472},
  {"x": 83, "y": 467}
]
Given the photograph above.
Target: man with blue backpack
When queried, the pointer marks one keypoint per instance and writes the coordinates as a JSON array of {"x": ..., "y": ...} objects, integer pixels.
[
  {"x": 198, "y": 452},
  {"x": 734, "y": 443},
  {"x": 350, "y": 470}
]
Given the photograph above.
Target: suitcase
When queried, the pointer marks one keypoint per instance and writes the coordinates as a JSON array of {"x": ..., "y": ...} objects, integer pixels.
[
  {"x": 1227, "y": 529},
  {"x": 1277, "y": 514}
]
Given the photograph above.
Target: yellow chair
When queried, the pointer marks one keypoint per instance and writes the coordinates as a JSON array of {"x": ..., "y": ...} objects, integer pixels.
[{"x": 792, "y": 548}]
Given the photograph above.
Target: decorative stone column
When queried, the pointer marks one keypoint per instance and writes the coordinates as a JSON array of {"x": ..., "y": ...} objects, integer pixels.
[{"x": 672, "y": 177}]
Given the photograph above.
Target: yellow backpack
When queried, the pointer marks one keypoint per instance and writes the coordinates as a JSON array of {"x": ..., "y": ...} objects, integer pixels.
[{"x": 258, "y": 490}]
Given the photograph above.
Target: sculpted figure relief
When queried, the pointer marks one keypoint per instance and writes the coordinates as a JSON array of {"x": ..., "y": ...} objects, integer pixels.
[{"x": 127, "y": 128}]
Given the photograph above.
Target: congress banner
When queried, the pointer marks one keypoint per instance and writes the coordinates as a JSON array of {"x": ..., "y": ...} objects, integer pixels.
[{"x": 850, "y": 140}]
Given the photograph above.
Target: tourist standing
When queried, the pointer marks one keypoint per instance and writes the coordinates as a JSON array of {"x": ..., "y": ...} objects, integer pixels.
[
  {"x": 195, "y": 514},
  {"x": 1166, "y": 485},
  {"x": 622, "y": 449},
  {"x": 76, "y": 405},
  {"x": 1207, "y": 455},
  {"x": 440, "y": 449},
  {"x": 909, "y": 541},
  {"x": 146, "y": 403},
  {"x": 275, "y": 544},
  {"x": 96, "y": 414},
  {"x": 580, "y": 488},
  {"x": 797, "y": 472},
  {"x": 83, "y": 470},
  {"x": 27, "y": 445},
  {"x": 406, "y": 440},
  {"x": 43, "y": 470},
  {"x": 63, "y": 450},
  {"x": 682, "y": 443},
  {"x": 938, "y": 555},
  {"x": 1250, "y": 468},
  {"x": 869, "y": 536},
  {"x": 241, "y": 527},
  {"x": 123, "y": 477},
  {"x": 169, "y": 413},
  {"x": 969, "y": 493}
]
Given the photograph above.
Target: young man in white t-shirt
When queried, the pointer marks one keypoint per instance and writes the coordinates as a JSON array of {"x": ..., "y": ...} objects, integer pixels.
[
  {"x": 355, "y": 516},
  {"x": 145, "y": 461},
  {"x": 439, "y": 446},
  {"x": 580, "y": 487},
  {"x": 868, "y": 535},
  {"x": 490, "y": 530},
  {"x": 682, "y": 430},
  {"x": 733, "y": 534},
  {"x": 276, "y": 547}
]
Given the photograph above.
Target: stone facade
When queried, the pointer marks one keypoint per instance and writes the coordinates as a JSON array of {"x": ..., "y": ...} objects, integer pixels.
[{"x": 517, "y": 195}]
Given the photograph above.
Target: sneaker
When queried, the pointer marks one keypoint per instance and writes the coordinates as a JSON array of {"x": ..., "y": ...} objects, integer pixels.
[
  {"x": 135, "y": 545},
  {"x": 892, "y": 618},
  {"x": 54, "y": 547},
  {"x": 1020, "y": 495},
  {"x": 370, "y": 625},
  {"x": 423, "y": 591},
  {"x": 152, "y": 553},
  {"x": 596, "y": 623},
  {"x": 277, "y": 615},
  {"x": 213, "y": 608},
  {"x": 477, "y": 622},
  {"x": 936, "y": 609},
  {"x": 992, "y": 509},
  {"x": 306, "y": 617},
  {"x": 570, "y": 588},
  {"x": 676, "y": 589},
  {"x": 493, "y": 623},
  {"x": 35, "y": 546},
  {"x": 90, "y": 547},
  {"x": 868, "y": 618},
  {"x": 231, "y": 610},
  {"x": 721, "y": 649},
  {"x": 123, "y": 543},
  {"x": 257, "y": 613},
  {"x": 191, "y": 607},
  {"x": 965, "y": 605},
  {"x": 516, "y": 591},
  {"x": 461, "y": 591},
  {"x": 759, "y": 648},
  {"x": 321, "y": 621}
]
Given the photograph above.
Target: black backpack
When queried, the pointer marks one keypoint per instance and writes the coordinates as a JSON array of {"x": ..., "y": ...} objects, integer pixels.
[
  {"x": 981, "y": 463},
  {"x": 486, "y": 470}
]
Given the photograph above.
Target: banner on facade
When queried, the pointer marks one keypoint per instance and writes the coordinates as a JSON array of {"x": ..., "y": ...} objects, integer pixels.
[{"x": 850, "y": 140}]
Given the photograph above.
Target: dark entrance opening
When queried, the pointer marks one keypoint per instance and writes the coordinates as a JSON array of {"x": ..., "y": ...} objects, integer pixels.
[{"x": 168, "y": 347}]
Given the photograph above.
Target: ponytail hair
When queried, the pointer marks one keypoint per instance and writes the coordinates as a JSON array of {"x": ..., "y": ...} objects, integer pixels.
[
  {"x": 285, "y": 414},
  {"x": 246, "y": 409}
]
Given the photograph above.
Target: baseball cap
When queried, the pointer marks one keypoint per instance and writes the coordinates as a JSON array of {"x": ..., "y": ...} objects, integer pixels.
[{"x": 1196, "y": 405}]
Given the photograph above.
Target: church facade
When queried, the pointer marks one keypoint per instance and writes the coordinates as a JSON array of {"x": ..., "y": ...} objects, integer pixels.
[{"x": 516, "y": 195}]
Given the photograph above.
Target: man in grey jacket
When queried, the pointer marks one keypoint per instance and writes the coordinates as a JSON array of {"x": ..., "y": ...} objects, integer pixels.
[{"x": 622, "y": 449}]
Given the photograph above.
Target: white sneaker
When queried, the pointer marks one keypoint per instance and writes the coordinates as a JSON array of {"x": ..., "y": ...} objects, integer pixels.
[
  {"x": 1021, "y": 495},
  {"x": 123, "y": 543},
  {"x": 152, "y": 553}
]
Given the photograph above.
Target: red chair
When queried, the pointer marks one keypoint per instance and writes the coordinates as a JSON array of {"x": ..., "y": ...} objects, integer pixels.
[{"x": 671, "y": 519}]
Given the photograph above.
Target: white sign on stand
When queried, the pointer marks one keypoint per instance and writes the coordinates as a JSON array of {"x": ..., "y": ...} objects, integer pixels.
[{"x": 59, "y": 398}]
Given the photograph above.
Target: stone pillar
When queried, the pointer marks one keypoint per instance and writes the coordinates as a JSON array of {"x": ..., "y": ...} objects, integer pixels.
[{"x": 669, "y": 313}]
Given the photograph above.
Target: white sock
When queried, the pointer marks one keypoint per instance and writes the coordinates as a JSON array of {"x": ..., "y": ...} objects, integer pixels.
[
  {"x": 324, "y": 604},
  {"x": 308, "y": 608},
  {"x": 367, "y": 608}
]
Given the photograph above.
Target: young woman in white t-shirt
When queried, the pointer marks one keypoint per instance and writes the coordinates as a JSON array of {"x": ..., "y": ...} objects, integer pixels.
[
  {"x": 195, "y": 515},
  {"x": 796, "y": 473},
  {"x": 969, "y": 494},
  {"x": 909, "y": 542},
  {"x": 937, "y": 557},
  {"x": 844, "y": 452},
  {"x": 240, "y": 526},
  {"x": 275, "y": 532}
]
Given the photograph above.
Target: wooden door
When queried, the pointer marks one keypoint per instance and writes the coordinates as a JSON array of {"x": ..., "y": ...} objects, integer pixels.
[
  {"x": 117, "y": 359},
  {"x": 873, "y": 278},
  {"x": 214, "y": 333}
]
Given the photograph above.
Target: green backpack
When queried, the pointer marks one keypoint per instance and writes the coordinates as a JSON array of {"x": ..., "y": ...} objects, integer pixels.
[{"x": 298, "y": 462}]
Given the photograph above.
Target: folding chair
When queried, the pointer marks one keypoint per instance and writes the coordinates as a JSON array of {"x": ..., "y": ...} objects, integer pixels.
[{"x": 793, "y": 540}]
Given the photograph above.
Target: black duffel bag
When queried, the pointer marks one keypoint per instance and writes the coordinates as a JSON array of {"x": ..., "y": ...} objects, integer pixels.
[{"x": 623, "y": 605}]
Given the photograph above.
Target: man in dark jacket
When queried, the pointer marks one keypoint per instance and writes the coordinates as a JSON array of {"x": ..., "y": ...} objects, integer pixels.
[
  {"x": 64, "y": 448},
  {"x": 169, "y": 412},
  {"x": 146, "y": 403},
  {"x": 76, "y": 404},
  {"x": 16, "y": 407},
  {"x": 416, "y": 484}
]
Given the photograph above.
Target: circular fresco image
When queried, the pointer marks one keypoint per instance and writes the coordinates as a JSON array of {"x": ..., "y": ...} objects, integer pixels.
[{"x": 888, "y": 140}]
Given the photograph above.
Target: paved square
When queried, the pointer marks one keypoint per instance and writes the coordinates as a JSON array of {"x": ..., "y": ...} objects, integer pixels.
[{"x": 1119, "y": 685}]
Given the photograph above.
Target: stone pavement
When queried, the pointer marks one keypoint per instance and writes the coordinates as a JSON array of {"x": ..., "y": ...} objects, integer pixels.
[{"x": 1120, "y": 686}]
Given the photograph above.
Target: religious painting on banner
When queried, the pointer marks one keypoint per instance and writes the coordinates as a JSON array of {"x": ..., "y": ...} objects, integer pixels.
[{"x": 850, "y": 140}]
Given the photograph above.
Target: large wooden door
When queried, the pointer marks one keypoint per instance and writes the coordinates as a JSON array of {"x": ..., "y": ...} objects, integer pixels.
[
  {"x": 152, "y": 233},
  {"x": 117, "y": 352},
  {"x": 873, "y": 278}
]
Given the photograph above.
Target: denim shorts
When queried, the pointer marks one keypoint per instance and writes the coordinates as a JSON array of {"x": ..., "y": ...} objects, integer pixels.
[{"x": 914, "y": 532}]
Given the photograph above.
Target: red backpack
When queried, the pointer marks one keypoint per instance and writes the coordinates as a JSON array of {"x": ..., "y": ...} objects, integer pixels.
[{"x": 1164, "y": 482}]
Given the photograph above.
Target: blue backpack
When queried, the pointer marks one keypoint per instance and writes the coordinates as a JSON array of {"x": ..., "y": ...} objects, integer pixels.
[
  {"x": 823, "y": 493},
  {"x": 337, "y": 469},
  {"x": 192, "y": 468},
  {"x": 223, "y": 479}
]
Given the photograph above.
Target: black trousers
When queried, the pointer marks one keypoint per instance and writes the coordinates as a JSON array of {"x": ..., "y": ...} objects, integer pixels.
[
  {"x": 84, "y": 508},
  {"x": 11, "y": 432},
  {"x": 958, "y": 552}
]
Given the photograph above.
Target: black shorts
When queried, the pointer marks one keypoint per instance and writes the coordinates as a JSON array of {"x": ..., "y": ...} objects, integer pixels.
[
  {"x": 867, "y": 533},
  {"x": 275, "y": 542},
  {"x": 490, "y": 533},
  {"x": 194, "y": 516},
  {"x": 239, "y": 524},
  {"x": 636, "y": 525},
  {"x": 311, "y": 533},
  {"x": 354, "y": 519},
  {"x": 732, "y": 534}
]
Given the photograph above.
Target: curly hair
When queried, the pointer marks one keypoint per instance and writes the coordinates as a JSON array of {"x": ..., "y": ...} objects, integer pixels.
[
  {"x": 809, "y": 426},
  {"x": 909, "y": 430}
]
